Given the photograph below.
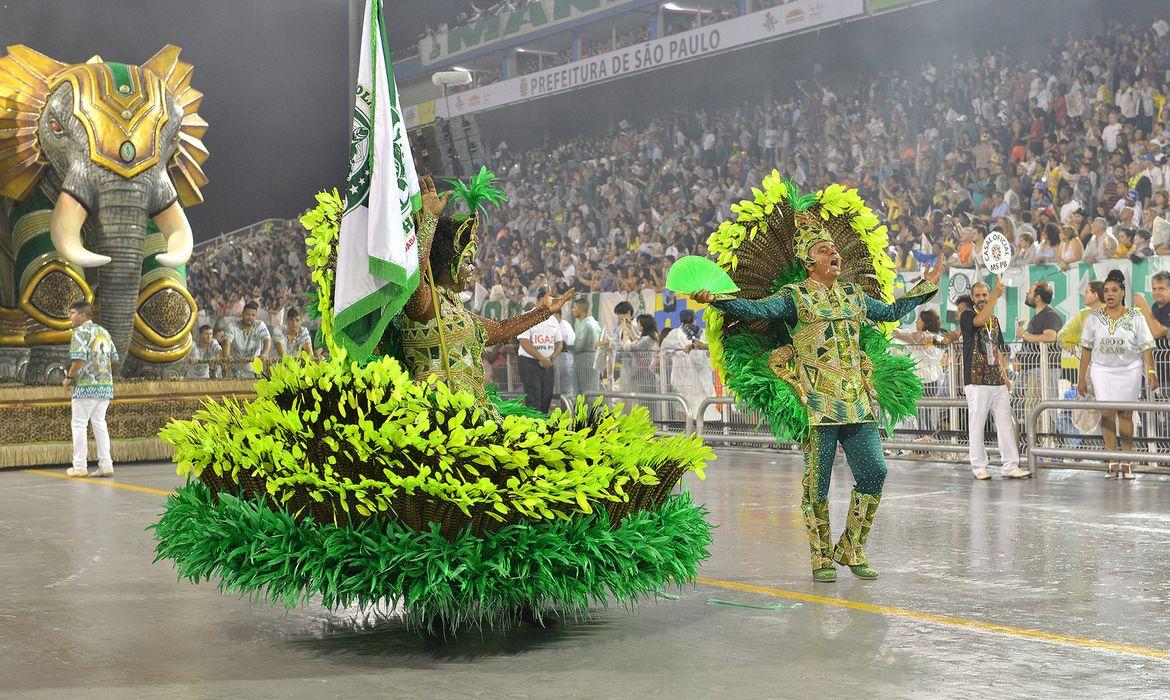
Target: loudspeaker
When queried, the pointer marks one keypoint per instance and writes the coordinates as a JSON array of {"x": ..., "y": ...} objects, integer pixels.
[{"x": 453, "y": 147}]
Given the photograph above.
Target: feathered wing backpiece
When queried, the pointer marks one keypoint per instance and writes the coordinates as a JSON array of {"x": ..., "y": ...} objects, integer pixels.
[{"x": 757, "y": 248}]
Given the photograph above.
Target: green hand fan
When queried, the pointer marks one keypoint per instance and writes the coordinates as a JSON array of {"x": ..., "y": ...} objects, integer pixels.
[{"x": 692, "y": 273}]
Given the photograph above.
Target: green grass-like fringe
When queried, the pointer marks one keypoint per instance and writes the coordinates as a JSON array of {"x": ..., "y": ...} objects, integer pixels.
[{"x": 561, "y": 567}]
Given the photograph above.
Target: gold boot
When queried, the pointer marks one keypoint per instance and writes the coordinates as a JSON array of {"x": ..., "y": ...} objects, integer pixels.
[
  {"x": 816, "y": 521},
  {"x": 850, "y": 548}
]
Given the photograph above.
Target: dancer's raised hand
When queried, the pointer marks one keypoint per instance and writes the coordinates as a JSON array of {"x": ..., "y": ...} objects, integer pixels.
[
  {"x": 933, "y": 273},
  {"x": 554, "y": 306},
  {"x": 432, "y": 203}
]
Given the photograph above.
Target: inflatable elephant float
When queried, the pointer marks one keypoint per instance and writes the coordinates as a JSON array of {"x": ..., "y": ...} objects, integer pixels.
[{"x": 97, "y": 162}]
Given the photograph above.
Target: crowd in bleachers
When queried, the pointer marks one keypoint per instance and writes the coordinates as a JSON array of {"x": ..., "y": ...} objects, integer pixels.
[
  {"x": 1046, "y": 151},
  {"x": 264, "y": 264},
  {"x": 1066, "y": 155}
]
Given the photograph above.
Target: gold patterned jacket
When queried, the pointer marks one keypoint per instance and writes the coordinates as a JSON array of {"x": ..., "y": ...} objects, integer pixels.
[{"x": 826, "y": 365}]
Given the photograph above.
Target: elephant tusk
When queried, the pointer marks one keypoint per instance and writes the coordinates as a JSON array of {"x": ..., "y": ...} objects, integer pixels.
[
  {"x": 173, "y": 223},
  {"x": 65, "y": 232}
]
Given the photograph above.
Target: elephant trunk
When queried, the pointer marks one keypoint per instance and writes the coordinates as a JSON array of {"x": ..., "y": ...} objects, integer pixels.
[{"x": 121, "y": 219}]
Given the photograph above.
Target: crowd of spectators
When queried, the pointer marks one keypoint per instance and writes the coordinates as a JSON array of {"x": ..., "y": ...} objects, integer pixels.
[
  {"x": 532, "y": 61},
  {"x": 680, "y": 21},
  {"x": 1066, "y": 155},
  {"x": 264, "y": 264},
  {"x": 1071, "y": 146}
]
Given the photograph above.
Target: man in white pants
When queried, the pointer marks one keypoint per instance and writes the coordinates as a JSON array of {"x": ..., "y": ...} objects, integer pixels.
[
  {"x": 986, "y": 384},
  {"x": 92, "y": 377}
]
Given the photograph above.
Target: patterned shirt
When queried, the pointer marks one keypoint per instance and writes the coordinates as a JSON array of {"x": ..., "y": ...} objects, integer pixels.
[
  {"x": 246, "y": 346},
  {"x": 92, "y": 345},
  {"x": 980, "y": 359},
  {"x": 201, "y": 359},
  {"x": 292, "y": 346}
]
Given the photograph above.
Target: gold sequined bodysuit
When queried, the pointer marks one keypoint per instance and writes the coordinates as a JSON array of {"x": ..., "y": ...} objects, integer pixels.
[{"x": 465, "y": 334}]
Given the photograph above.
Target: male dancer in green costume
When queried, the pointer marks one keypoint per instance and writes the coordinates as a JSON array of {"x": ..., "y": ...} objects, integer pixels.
[{"x": 832, "y": 377}]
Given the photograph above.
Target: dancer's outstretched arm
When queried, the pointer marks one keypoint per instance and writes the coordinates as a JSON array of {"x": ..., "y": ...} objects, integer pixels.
[
  {"x": 499, "y": 331},
  {"x": 776, "y": 307},
  {"x": 877, "y": 310}
]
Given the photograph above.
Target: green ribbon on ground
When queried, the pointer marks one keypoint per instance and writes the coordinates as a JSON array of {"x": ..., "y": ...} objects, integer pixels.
[{"x": 770, "y": 606}]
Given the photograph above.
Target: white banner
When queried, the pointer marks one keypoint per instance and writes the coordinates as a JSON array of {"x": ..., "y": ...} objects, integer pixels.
[
  {"x": 377, "y": 251},
  {"x": 678, "y": 48}
]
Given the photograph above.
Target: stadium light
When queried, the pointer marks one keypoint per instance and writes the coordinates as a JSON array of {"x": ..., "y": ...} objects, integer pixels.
[
  {"x": 675, "y": 7},
  {"x": 445, "y": 78}
]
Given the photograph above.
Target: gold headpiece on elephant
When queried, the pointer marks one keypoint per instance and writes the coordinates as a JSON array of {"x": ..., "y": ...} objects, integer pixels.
[
  {"x": 810, "y": 230},
  {"x": 123, "y": 109}
]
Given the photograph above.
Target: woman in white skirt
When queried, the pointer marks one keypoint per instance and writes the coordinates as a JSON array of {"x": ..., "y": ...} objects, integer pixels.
[{"x": 1116, "y": 345}]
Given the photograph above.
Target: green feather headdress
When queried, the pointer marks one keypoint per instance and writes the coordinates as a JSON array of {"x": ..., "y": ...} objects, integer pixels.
[
  {"x": 478, "y": 193},
  {"x": 809, "y": 229},
  {"x": 798, "y": 201}
]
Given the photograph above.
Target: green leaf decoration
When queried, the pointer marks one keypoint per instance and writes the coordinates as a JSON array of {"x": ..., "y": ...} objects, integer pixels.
[
  {"x": 797, "y": 201},
  {"x": 693, "y": 273}
]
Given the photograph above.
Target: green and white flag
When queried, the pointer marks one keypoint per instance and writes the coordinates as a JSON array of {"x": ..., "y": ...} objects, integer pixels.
[{"x": 377, "y": 248}]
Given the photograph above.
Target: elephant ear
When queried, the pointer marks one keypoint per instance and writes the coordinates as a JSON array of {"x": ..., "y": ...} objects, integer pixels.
[
  {"x": 25, "y": 77},
  {"x": 186, "y": 166}
]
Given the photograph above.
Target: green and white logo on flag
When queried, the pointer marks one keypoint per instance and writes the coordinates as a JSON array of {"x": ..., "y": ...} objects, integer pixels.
[{"x": 377, "y": 246}]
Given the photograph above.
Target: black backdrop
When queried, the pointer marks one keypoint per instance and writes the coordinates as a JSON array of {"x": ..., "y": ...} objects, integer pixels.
[{"x": 275, "y": 74}]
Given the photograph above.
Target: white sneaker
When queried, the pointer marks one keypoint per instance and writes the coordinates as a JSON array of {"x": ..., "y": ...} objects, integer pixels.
[
  {"x": 105, "y": 471},
  {"x": 74, "y": 471},
  {"x": 1017, "y": 473},
  {"x": 982, "y": 475}
]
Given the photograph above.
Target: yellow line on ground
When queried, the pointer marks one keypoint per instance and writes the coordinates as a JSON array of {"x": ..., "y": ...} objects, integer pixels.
[
  {"x": 99, "y": 481},
  {"x": 990, "y": 627}
]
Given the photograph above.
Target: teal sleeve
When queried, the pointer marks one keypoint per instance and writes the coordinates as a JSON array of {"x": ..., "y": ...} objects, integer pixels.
[
  {"x": 881, "y": 311},
  {"x": 776, "y": 307}
]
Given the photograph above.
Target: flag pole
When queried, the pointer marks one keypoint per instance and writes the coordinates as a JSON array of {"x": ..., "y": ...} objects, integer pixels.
[{"x": 439, "y": 325}]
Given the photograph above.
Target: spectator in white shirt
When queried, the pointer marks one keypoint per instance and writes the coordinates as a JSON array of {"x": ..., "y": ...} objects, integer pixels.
[
  {"x": 1110, "y": 132},
  {"x": 1102, "y": 245},
  {"x": 245, "y": 341},
  {"x": 539, "y": 348},
  {"x": 1128, "y": 101},
  {"x": 293, "y": 338},
  {"x": 204, "y": 356}
]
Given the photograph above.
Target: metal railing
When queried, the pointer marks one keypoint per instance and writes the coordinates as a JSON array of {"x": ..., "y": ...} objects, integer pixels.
[
  {"x": 1066, "y": 453},
  {"x": 744, "y": 432},
  {"x": 1042, "y": 418}
]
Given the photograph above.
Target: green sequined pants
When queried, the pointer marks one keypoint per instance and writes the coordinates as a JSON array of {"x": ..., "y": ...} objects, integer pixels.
[{"x": 863, "y": 452}]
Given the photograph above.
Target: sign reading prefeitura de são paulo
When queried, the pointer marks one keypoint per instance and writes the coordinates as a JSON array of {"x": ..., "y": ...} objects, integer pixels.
[{"x": 753, "y": 28}]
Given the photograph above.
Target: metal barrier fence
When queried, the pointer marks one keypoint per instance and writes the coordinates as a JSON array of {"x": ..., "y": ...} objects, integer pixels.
[
  {"x": 682, "y": 399},
  {"x": 1074, "y": 457}
]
